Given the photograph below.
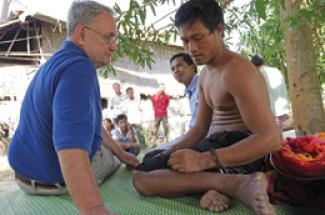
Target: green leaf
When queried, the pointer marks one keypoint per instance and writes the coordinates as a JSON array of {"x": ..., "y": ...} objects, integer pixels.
[
  {"x": 117, "y": 8},
  {"x": 260, "y": 8},
  {"x": 153, "y": 9},
  {"x": 142, "y": 15}
]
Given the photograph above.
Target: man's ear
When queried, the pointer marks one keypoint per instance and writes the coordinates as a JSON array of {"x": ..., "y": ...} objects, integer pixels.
[
  {"x": 79, "y": 34},
  {"x": 193, "y": 67},
  {"x": 221, "y": 29}
]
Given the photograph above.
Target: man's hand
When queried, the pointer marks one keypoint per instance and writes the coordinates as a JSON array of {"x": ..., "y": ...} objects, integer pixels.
[
  {"x": 130, "y": 127},
  {"x": 187, "y": 160},
  {"x": 133, "y": 145},
  {"x": 153, "y": 160},
  {"x": 99, "y": 210},
  {"x": 128, "y": 158}
]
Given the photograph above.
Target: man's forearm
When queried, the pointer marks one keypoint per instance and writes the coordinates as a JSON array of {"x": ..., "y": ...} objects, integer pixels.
[
  {"x": 77, "y": 173},
  {"x": 249, "y": 149},
  {"x": 133, "y": 139},
  {"x": 111, "y": 144}
]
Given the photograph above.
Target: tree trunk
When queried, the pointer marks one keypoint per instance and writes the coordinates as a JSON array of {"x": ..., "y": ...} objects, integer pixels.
[{"x": 304, "y": 86}]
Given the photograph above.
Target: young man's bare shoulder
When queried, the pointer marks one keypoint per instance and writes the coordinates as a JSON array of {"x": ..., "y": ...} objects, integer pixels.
[{"x": 239, "y": 68}]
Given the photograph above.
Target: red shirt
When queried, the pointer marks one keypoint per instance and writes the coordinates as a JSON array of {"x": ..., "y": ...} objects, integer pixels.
[{"x": 160, "y": 104}]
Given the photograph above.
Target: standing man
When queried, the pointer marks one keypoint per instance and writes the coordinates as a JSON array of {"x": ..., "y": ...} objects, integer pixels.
[
  {"x": 278, "y": 94},
  {"x": 160, "y": 102},
  {"x": 134, "y": 114},
  {"x": 117, "y": 102},
  {"x": 234, "y": 108},
  {"x": 59, "y": 144}
]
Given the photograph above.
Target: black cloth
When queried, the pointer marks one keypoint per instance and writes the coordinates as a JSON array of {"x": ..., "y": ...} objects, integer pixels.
[
  {"x": 134, "y": 151},
  {"x": 157, "y": 160}
]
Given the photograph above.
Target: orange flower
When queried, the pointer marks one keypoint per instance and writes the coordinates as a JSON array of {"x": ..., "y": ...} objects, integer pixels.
[{"x": 320, "y": 135}]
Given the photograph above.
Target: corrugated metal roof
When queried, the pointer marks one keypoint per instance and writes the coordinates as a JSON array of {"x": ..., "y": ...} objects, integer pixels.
[{"x": 23, "y": 17}]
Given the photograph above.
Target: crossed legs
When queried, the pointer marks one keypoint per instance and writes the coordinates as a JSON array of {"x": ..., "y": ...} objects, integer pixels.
[{"x": 249, "y": 189}]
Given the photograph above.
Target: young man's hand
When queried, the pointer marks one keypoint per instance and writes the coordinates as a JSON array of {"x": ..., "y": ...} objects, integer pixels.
[{"x": 188, "y": 160}]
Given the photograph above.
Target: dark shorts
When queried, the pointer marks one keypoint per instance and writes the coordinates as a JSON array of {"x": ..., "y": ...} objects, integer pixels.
[
  {"x": 134, "y": 151},
  {"x": 217, "y": 140},
  {"x": 158, "y": 120}
]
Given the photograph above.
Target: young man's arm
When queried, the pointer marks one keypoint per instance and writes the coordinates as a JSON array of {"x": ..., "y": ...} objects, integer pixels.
[
  {"x": 132, "y": 135},
  {"x": 117, "y": 149},
  {"x": 133, "y": 143},
  {"x": 76, "y": 169},
  {"x": 249, "y": 91}
]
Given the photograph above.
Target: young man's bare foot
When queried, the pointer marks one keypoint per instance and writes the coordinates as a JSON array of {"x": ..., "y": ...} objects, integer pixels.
[
  {"x": 252, "y": 192},
  {"x": 214, "y": 201}
]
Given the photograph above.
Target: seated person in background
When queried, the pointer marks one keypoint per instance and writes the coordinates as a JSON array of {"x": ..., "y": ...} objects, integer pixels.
[
  {"x": 108, "y": 126},
  {"x": 124, "y": 135}
]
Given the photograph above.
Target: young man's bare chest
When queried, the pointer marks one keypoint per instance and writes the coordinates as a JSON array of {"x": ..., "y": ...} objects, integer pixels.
[
  {"x": 226, "y": 115},
  {"x": 215, "y": 92}
]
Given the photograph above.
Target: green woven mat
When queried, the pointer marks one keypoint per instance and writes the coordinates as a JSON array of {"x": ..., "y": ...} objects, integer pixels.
[{"x": 119, "y": 195}]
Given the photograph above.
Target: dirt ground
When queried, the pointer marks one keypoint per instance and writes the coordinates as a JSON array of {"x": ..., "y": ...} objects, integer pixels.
[{"x": 7, "y": 179}]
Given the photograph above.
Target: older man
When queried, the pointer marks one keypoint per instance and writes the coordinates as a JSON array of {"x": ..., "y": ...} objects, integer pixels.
[{"x": 58, "y": 143}]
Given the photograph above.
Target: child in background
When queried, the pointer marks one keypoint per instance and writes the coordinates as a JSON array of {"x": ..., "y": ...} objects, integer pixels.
[
  {"x": 108, "y": 126},
  {"x": 124, "y": 135}
]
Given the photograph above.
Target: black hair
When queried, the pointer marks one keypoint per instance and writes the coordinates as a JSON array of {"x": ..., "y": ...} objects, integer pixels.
[
  {"x": 129, "y": 88},
  {"x": 110, "y": 122},
  {"x": 103, "y": 102},
  {"x": 257, "y": 60},
  {"x": 186, "y": 57},
  {"x": 108, "y": 119},
  {"x": 121, "y": 117},
  {"x": 207, "y": 11}
]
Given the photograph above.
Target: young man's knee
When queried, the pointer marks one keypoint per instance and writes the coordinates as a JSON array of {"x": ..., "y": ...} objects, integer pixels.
[{"x": 140, "y": 183}]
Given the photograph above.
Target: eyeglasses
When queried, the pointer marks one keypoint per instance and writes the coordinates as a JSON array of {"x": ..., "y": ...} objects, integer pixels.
[{"x": 109, "y": 39}]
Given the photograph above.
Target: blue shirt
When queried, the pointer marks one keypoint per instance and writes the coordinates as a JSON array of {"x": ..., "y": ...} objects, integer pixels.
[
  {"x": 117, "y": 135},
  {"x": 61, "y": 110},
  {"x": 192, "y": 91}
]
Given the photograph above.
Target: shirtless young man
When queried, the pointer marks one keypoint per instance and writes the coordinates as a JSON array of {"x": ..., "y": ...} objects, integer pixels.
[{"x": 233, "y": 97}]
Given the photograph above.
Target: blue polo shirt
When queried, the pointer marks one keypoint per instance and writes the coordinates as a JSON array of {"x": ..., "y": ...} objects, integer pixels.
[{"x": 61, "y": 110}]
